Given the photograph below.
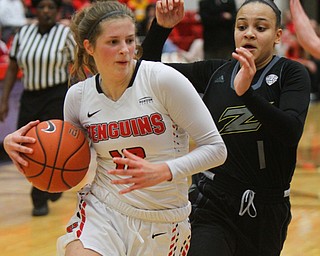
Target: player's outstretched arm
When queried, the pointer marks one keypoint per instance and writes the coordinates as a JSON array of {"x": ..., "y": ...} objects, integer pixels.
[
  {"x": 169, "y": 12},
  {"x": 306, "y": 34},
  {"x": 13, "y": 144}
]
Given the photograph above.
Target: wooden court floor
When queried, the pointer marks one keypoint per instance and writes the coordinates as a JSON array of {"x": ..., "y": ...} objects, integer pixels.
[{"x": 24, "y": 235}]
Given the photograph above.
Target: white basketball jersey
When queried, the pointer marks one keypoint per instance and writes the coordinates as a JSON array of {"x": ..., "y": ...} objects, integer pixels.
[{"x": 152, "y": 119}]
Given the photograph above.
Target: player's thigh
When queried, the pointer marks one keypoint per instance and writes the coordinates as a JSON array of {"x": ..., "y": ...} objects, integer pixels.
[
  {"x": 209, "y": 239},
  {"x": 76, "y": 248}
]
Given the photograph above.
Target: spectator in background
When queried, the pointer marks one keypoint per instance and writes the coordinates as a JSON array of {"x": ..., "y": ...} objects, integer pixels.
[
  {"x": 12, "y": 17},
  {"x": 217, "y": 17},
  {"x": 43, "y": 50}
]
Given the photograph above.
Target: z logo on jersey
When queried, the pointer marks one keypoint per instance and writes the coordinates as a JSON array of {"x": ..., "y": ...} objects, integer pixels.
[{"x": 240, "y": 120}]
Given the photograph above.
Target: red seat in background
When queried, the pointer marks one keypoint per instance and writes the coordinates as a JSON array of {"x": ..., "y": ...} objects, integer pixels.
[{"x": 189, "y": 29}]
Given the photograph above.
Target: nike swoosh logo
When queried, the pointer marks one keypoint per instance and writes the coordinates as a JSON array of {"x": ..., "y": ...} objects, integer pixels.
[
  {"x": 50, "y": 129},
  {"x": 158, "y": 234},
  {"x": 93, "y": 113}
]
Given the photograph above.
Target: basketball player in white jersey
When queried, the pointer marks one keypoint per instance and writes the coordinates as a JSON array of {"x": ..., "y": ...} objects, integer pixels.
[{"x": 138, "y": 118}]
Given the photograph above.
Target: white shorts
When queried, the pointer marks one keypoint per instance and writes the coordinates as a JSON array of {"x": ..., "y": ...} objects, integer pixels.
[{"x": 109, "y": 232}]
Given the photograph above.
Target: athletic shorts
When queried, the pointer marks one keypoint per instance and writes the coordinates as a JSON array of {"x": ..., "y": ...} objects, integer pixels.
[
  {"x": 111, "y": 233},
  {"x": 217, "y": 225}
]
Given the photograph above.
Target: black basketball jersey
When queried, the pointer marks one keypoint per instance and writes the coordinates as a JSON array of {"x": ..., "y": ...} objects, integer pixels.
[{"x": 262, "y": 128}]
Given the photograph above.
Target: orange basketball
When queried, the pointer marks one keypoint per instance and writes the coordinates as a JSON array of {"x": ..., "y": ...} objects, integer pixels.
[{"x": 60, "y": 158}]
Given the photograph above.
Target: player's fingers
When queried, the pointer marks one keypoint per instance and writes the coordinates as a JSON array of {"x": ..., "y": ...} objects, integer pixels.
[
  {"x": 132, "y": 171},
  {"x": 126, "y": 161},
  {"x": 181, "y": 6},
  {"x": 24, "y": 149},
  {"x": 242, "y": 56},
  {"x": 12, "y": 144},
  {"x": 129, "y": 155},
  {"x": 245, "y": 53},
  {"x": 162, "y": 6},
  {"x": 178, "y": 3},
  {"x": 136, "y": 184},
  {"x": 130, "y": 160},
  {"x": 23, "y": 139},
  {"x": 122, "y": 181},
  {"x": 19, "y": 161},
  {"x": 20, "y": 169},
  {"x": 129, "y": 189},
  {"x": 28, "y": 126},
  {"x": 168, "y": 4},
  {"x": 159, "y": 7}
]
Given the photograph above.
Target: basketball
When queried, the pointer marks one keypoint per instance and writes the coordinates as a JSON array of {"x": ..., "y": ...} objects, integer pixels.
[{"x": 60, "y": 158}]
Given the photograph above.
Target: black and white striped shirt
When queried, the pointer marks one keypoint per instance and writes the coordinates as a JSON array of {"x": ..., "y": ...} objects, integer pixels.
[{"x": 44, "y": 59}]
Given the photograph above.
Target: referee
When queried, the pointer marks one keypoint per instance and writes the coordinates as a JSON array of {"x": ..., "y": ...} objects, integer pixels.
[{"x": 43, "y": 51}]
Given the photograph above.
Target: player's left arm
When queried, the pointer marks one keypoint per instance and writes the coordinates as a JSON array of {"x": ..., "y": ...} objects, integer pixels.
[
  {"x": 285, "y": 121},
  {"x": 189, "y": 112}
]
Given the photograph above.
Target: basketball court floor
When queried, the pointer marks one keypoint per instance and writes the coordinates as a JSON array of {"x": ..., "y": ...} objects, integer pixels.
[{"x": 22, "y": 234}]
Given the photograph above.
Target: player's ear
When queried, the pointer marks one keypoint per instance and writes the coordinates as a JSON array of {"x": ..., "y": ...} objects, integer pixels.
[
  {"x": 88, "y": 46},
  {"x": 278, "y": 36}
]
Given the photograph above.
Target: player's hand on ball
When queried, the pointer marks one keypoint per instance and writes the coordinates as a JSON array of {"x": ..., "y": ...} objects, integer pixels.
[
  {"x": 140, "y": 173},
  {"x": 13, "y": 145},
  {"x": 60, "y": 158}
]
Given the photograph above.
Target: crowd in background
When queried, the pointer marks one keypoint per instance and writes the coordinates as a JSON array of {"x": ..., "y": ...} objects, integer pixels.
[{"x": 189, "y": 40}]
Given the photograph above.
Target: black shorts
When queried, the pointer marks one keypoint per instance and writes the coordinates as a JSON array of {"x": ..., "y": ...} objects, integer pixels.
[{"x": 218, "y": 229}]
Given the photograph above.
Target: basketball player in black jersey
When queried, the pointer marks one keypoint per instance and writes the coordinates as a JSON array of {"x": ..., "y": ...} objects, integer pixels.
[{"x": 259, "y": 102}]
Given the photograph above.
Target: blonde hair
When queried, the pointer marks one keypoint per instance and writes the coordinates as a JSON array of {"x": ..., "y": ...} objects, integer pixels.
[{"x": 85, "y": 24}]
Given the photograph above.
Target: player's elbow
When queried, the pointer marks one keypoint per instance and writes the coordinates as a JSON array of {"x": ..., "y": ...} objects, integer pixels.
[{"x": 222, "y": 153}]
